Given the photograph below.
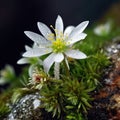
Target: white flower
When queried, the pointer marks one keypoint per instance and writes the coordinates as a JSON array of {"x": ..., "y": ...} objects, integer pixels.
[
  {"x": 26, "y": 60},
  {"x": 59, "y": 44},
  {"x": 33, "y": 61},
  {"x": 103, "y": 29}
]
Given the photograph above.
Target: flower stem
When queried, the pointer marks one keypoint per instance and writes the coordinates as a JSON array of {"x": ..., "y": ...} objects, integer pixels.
[{"x": 57, "y": 70}]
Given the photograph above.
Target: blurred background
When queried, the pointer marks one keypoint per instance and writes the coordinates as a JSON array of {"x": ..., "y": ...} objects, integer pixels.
[{"x": 16, "y": 16}]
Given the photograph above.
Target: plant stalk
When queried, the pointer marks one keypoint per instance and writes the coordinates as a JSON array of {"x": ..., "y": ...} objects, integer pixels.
[{"x": 57, "y": 70}]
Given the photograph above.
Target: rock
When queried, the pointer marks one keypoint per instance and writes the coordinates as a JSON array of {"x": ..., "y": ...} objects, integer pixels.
[
  {"x": 113, "y": 48},
  {"x": 27, "y": 108},
  {"x": 106, "y": 104}
]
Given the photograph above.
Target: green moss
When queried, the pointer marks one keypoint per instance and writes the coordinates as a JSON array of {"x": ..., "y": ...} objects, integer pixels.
[
  {"x": 62, "y": 97},
  {"x": 20, "y": 92},
  {"x": 4, "y": 100},
  {"x": 90, "y": 69}
]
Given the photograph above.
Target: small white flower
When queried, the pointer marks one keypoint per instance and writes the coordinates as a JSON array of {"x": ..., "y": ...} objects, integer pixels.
[
  {"x": 59, "y": 44},
  {"x": 26, "y": 60},
  {"x": 33, "y": 61},
  {"x": 103, "y": 29}
]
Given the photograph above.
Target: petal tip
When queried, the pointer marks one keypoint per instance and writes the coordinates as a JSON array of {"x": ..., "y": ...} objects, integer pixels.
[
  {"x": 18, "y": 62},
  {"x": 25, "y": 32},
  {"x": 25, "y": 54},
  {"x": 28, "y": 33},
  {"x": 59, "y": 16},
  {"x": 39, "y": 24},
  {"x": 87, "y": 22}
]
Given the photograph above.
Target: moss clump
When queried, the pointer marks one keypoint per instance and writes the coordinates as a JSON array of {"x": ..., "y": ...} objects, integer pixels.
[{"x": 4, "y": 100}]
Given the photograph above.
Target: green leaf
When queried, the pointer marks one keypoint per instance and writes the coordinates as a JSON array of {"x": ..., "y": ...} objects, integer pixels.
[{"x": 69, "y": 107}]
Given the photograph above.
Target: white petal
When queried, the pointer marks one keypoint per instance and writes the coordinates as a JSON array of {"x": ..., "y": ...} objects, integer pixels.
[
  {"x": 35, "y": 45},
  {"x": 27, "y": 48},
  {"x": 59, "y": 57},
  {"x": 44, "y": 29},
  {"x": 31, "y": 69},
  {"x": 23, "y": 61},
  {"x": 36, "y": 38},
  {"x": 59, "y": 24},
  {"x": 67, "y": 63},
  {"x": 76, "y": 38},
  {"x": 37, "y": 52},
  {"x": 75, "y": 54},
  {"x": 68, "y": 30},
  {"x": 79, "y": 29},
  {"x": 48, "y": 62}
]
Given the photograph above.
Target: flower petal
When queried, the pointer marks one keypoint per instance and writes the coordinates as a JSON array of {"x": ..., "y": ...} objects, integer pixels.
[
  {"x": 59, "y": 57},
  {"x": 37, "y": 52},
  {"x": 76, "y": 38},
  {"x": 44, "y": 30},
  {"x": 35, "y": 45},
  {"x": 75, "y": 54},
  {"x": 67, "y": 63},
  {"x": 48, "y": 62},
  {"x": 59, "y": 24},
  {"x": 68, "y": 30},
  {"x": 79, "y": 29},
  {"x": 36, "y": 38},
  {"x": 31, "y": 69},
  {"x": 23, "y": 61},
  {"x": 27, "y": 48}
]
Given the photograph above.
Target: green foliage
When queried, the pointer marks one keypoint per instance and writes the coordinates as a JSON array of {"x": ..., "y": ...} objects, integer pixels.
[
  {"x": 52, "y": 97},
  {"x": 3, "y": 109},
  {"x": 62, "y": 97},
  {"x": 74, "y": 116},
  {"x": 20, "y": 92},
  {"x": 90, "y": 69},
  {"x": 77, "y": 98},
  {"x": 7, "y": 75},
  {"x": 4, "y": 100}
]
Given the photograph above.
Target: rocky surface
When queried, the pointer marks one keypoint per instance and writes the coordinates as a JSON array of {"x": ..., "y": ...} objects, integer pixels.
[
  {"x": 106, "y": 104},
  {"x": 27, "y": 108}
]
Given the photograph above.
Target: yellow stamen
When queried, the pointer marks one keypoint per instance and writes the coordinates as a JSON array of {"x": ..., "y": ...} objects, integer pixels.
[{"x": 59, "y": 45}]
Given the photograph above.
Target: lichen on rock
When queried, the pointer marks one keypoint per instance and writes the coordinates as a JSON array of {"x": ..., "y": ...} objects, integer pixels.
[{"x": 27, "y": 108}]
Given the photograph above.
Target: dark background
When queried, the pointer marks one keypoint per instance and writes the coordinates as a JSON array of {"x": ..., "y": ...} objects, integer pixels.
[{"x": 16, "y": 16}]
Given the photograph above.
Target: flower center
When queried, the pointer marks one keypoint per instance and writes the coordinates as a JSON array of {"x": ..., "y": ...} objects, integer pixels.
[{"x": 59, "y": 45}]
